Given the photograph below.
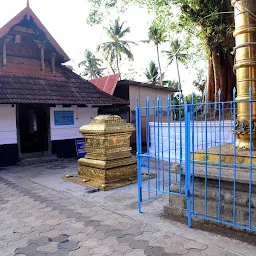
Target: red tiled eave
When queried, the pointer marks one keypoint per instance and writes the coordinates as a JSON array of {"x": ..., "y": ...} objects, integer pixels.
[{"x": 107, "y": 83}]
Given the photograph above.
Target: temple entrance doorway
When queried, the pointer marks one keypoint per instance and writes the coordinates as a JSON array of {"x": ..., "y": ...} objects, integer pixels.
[{"x": 33, "y": 124}]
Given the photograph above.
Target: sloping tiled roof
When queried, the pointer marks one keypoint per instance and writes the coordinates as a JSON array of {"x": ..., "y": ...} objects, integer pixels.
[
  {"x": 64, "y": 87},
  {"x": 107, "y": 83},
  {"x": 148, "y": 85},
  {"x": 30, "y": 14}
]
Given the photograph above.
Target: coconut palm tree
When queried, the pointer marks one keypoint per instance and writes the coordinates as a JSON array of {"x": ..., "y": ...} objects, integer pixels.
[
  {"x": 91, "y": 64},
  {"x": 117, "y": 46},
  {"x": 157, "y": 35},
  {"x": 175, "y": 54},
  {"x": 152, "y": 73}
]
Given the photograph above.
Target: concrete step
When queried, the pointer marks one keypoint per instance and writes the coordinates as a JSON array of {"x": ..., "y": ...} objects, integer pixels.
[
  {"x": 38, "y": 160},
  {"x": 214, "y": 171}
]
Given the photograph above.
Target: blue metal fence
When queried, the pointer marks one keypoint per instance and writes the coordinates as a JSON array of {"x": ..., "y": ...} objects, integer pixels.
[{"x": 190, "y": 149}]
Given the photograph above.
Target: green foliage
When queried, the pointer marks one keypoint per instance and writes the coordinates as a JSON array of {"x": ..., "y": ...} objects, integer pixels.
[
  {"x": 200, "y": 82},
  {"x": 205, "y": 24},
  {"x": 175, "y": 52},
  {"x": 157, "y": 34},
  {"x": 152, "y": 73},
  {"x": 117, "y": 46},
  {"x": 173, "y": 84},
  {"x": 188, "y": 99},
  {"x": 91, "y": 65}
]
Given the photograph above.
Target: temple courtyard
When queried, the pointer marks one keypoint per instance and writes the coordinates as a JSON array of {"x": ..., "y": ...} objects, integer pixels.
[{"x": 41, "y": 214}]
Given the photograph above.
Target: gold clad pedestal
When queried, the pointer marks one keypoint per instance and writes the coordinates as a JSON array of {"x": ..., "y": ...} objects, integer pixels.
[{"x": 108, "y": 162}]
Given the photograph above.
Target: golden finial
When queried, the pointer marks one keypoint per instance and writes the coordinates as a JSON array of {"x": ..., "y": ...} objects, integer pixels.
[{"x": 27, "y": 3}]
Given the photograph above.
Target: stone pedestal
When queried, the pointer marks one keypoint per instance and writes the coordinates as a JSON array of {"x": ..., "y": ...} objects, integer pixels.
[
  {"x": 177, "y": 206},
  {"x": 108, "y": 162}
]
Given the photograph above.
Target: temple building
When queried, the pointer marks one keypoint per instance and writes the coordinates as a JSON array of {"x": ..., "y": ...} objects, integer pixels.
[{"x": 42, "y": 103}]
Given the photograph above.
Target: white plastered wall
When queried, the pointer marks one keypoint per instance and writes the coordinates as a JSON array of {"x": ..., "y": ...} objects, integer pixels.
[
  {"x": 8, "y": 128},
  {"x": 82, "y": 116}
]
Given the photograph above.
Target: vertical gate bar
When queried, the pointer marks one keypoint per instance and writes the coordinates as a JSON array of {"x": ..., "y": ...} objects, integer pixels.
[
  {"x": 250, "y": 186},
  {"x": 169, "y": 145},
  {"x": 219, "y": 149},
  {"x": 231, "y": 112},
  {"x": 223, "y": 123},
  {"x": 138, "y": 141},
  {"x": 206, "y": 160},
  {"x": 162, "y": 136},
  {"x": 202, "y": 137},
  {"x": 193, "y": 150},
  {"x": 187, "y": 161},
  {"x": 155, "y": 140},
  {"x": 197, "y": 126},
  {"x": 175, "y": 137},
  {"x": 215, "y": 109},
  {"x": 210, "y": 109},
  {"x": 234, "y": 141},
  {"x": 147, "y": 141},
  {"x": 158, "y": 143},
  {"x": 180, "y": 142}
]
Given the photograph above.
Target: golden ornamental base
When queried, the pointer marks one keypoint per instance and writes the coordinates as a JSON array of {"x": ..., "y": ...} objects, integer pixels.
[
  {"x": 227, "y": 155},
  {"x": 103, "y": 186}
]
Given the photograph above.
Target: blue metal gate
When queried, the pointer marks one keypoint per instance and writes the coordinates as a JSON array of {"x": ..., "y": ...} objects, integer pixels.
[
  {"x": 160, "y": 158},
  {"x": 179, "y": 144}
]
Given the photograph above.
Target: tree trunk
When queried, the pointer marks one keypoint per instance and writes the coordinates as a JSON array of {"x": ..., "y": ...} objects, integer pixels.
[
  {"x": 216, "y": 70},
  {"x": 117, "y": 65},
  {"x": 159, "y": 65},
  {"x": 220, "y": 76},
  {"x": 231, "y": 77},
  {"x": 223, "y": 76},
  {"x": 177, "y": 64},
  {"x": 210, "y": 81}
]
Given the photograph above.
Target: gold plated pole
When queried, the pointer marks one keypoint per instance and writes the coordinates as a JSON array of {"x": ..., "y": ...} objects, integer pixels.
[{"x": 245, "y": 66}]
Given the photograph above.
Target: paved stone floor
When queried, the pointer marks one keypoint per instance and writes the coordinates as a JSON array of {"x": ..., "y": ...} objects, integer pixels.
[{"x": 40, "y": 215}]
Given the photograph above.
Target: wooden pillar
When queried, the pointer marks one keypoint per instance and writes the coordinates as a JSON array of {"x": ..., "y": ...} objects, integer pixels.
[
  {"x": 53, "y": 62},
  {"x": 5, "y": 41},
  {"x": 41, "y": 46}
]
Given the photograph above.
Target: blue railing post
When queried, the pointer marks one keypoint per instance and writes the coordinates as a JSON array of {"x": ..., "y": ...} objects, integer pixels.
[
  {"x": 187, "y": 161},
  {"x": 138, "y": 144}
]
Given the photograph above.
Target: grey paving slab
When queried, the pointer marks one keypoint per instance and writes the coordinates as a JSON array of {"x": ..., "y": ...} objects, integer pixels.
[
  {"x": 62, "y": 252},
  {"x": 61, "y": 238},
  {"x": 114, "y": 232},
  {"x": 154, "y": 251},
  {"x": 47, "y": 248},
  {"x": 31, "y": 248},
  {"x": 69, "y": 245},
  {"x": 139, "y": 244},
  {"x": 126, "y": 239},
  {"x": 40, "y": 241}
]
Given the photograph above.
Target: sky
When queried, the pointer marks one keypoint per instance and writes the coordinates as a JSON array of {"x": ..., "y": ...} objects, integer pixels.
[{"x": 66, "y": 21}]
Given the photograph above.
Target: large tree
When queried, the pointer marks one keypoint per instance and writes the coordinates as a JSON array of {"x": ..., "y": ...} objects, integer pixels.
[
  {"x": 175, "y": 53},
  {"x": 210, "y": 20},
  {"x": 91, "y": 65},
  {"x": 117, "y": 46},
  {"x": 216, "y": 21}
]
